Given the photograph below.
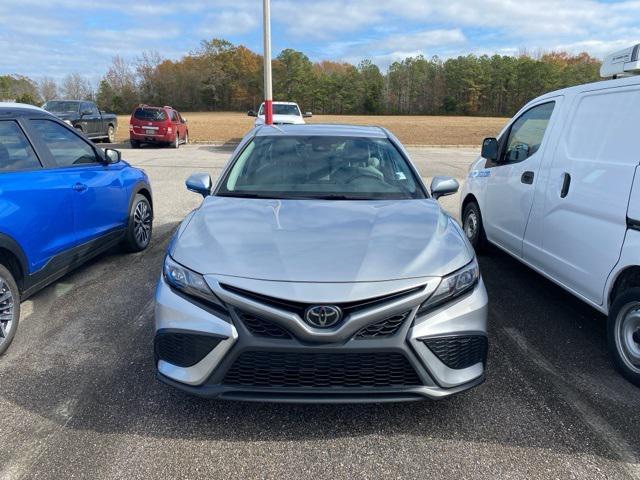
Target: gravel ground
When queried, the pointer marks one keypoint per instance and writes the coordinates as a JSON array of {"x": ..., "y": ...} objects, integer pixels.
[{"x": 78, "y": 398}]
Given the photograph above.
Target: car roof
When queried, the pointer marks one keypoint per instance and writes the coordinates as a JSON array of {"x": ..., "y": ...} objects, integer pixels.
[
  {"x": 320, "y": 129},
  {"x": 20, "y": 108},
  {"x": 283, "y": 103}
]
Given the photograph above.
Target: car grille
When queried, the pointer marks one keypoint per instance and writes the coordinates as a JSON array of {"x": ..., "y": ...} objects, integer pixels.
[
  {"x": 347, "y": 370},
  {"x": 385, "y": 328},
  {"x": 459, "y": 352},
  {"x": 184, "y": 349},
  {"x": 299, "y": 308},
  {"x": 261, "y": 327}
]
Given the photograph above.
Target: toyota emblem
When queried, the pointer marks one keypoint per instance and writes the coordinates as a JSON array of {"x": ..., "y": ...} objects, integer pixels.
[{"x": 323, "y": 316}]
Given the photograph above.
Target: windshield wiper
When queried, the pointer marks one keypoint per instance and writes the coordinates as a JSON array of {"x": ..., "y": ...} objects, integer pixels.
[{"x": 245, "y": 195}]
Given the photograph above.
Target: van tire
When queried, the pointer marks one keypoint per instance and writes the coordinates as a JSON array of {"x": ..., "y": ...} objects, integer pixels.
[
  {"x": 474, "y": 228},
  {"x": 135, "y": 144},
  {"x": 623, "y": 334},
  {"x": 9, "y": 283},
  {"x": 140, "y": 217}
]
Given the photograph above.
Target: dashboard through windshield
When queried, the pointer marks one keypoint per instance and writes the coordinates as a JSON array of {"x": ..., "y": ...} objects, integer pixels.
[{"x": 321, "y": 167}]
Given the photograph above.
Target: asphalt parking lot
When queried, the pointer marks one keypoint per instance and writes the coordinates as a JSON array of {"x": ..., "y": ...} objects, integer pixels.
[{"x": 78, "y": 397}]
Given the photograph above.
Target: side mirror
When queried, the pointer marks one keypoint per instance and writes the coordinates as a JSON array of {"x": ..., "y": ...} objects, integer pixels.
[
  {"x": 490, "y": 149},
  {"x": 112, "y": 155},
  {"x": 184, "y": 120},
  {"x": 252, "y": 113},
  {"x": 307, "y": 115},
  {"x": 199, "y": 183},
  {"x": 443, "y": 186},
  {"x": 85, "y": 112}
]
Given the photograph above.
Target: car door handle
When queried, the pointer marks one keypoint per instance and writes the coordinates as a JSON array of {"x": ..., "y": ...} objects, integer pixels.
[
  {"x": 527, "y": 177},
  {"x": 566, "y": 183},
  {"x": 80, "y": 187}
]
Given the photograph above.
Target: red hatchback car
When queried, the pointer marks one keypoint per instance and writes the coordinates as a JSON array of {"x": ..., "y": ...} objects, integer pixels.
[{"x": 159, "y": 125}]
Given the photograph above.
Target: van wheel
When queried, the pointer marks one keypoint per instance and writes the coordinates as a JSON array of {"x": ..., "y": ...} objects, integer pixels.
[
  {"x": 9, "y": 308},
  {"x": 186, "y": 138},
  {"x": 473, "y": 227},
  {"x": 135, "y": 144},
  {"x": 623, "y": 332},
  {"x": 176, "y": 143},
  {"x": 140, "y": 225}
]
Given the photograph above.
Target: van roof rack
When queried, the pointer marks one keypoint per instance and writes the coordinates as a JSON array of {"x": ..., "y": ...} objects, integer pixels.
[{"x": 622, "y": 63}]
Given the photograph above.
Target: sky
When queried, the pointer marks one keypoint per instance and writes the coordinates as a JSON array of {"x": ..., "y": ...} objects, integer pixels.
[{"x": 54, "y": 38}]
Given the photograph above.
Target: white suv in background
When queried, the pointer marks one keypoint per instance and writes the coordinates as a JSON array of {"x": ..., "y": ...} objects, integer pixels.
[
  {"x": 283, "y": 113},
  {"x": 560, "y": 191}
]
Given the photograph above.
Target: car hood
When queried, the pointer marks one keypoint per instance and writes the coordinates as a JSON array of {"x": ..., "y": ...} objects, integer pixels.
[
  {"x": 289, "y": 119},
  {"x": 321, "y": 240}
]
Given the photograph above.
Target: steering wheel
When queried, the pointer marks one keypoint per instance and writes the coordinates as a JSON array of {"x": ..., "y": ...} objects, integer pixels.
[{"x": 365, "y": 175}]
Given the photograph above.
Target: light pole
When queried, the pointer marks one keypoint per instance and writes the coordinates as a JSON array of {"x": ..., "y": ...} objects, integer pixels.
[{"x": 268, "y": 92}]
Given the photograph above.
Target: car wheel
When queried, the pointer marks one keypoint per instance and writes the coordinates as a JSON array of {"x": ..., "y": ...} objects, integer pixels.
[
  {"x": 186, "y": 138},
  {"x": 623, "y": 332},
  {"x": 473, "y": 227},
  {"x": 176, "y": 142},
  {"x": 135, "y": 144},
  {"x": 9, "y": 308},
  {"x": 140, "y": 225},
  {"x": 111, "y": 134}
]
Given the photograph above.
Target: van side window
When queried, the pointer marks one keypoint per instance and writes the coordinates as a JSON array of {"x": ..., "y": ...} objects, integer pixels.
[{"x": 526, "y": 133}]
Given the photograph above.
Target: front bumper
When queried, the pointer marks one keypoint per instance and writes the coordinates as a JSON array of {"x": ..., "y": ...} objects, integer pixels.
[{"x": 208, "y": 377}]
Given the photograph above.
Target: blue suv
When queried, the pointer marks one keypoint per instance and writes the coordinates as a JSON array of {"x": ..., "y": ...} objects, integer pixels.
[{"x": 62, "y": 201}]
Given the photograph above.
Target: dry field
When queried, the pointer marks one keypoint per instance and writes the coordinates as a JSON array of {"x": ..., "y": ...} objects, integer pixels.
[{"x": 411, "y": 130}]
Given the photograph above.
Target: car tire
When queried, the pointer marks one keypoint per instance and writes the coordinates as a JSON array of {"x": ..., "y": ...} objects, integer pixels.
[
  {"x": 474, "y": 228},
  {"x": 9, "y": 308},
  {"x": 176, "y": 142},
  {"x": 111, "y": 134},
  {"x": 186, "y": 138},
  {"x": 623, "y": 334},
  {"x": 140, "y": 225},
  {"x": 134, "y": 143}
]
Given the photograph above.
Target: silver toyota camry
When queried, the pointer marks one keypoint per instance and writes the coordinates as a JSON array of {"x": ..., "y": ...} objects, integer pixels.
[{"x": 320, "y": 269}]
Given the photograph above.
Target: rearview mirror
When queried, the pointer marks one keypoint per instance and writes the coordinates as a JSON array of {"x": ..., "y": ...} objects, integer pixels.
[
  {"x": 490, "y": 149},
  {"x": 112, "y": 155},
  {"x": 307, "y": 115},
  {"x": 252, "y": 113},
  {"x": 443, "y": 186},
  {"x": 200, "y": 183}
]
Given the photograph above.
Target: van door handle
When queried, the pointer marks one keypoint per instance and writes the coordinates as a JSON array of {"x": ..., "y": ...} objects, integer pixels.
[
  {"x": 566, "y": 183},
  {"x": 80, "y": 187},
  {"x": 527, "y": 177}
]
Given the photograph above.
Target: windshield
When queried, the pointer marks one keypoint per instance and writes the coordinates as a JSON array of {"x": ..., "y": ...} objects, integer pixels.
[
  {"x": 280, "y": 109},
  {"x": 150, "y": 114},
  {"x": 321, "y": 167},
  {"x": 61, "y": 106}
]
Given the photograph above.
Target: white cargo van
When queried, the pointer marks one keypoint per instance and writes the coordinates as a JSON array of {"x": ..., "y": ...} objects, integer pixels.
[{"x": 559, "y": 189}]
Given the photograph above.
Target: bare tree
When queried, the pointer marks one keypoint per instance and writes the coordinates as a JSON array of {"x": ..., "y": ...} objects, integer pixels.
[
  {"x": 76, "y": 87},
  {"x": 48, "y": 89}
]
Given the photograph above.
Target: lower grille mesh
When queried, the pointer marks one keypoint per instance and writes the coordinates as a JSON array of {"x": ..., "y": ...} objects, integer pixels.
[
  {"x": 385, "y": 328},
  {"x": 184, "y": 349},
  {"x": 459, "y": 352},
  {"x": 349, "y": 370}
]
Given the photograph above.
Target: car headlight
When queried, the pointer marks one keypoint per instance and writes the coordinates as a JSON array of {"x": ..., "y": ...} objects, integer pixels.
[
  {"x": 188, "y": 281},
  {"x": 452, "y": 286}
]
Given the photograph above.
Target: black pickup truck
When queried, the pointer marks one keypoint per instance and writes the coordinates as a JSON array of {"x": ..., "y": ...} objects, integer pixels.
[{"x": 86, "y": 117}]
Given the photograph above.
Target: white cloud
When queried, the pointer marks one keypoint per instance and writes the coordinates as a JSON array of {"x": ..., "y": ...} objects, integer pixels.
[{"x": 229, "y": 22}]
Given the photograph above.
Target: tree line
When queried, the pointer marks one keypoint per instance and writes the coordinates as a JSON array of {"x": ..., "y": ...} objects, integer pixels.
[{"x": 221, "y": 76}]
